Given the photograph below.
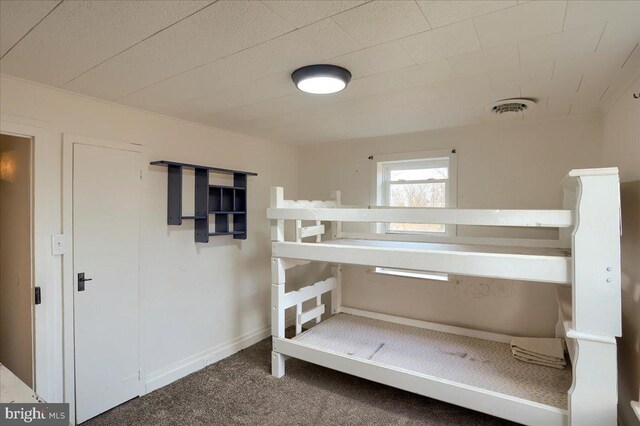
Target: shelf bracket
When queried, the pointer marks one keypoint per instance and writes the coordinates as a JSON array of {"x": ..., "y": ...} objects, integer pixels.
[
  {"x": 174, "y": 195},
  {"x": 240, "y": 222},
  {"x": 201, "y": 207}
]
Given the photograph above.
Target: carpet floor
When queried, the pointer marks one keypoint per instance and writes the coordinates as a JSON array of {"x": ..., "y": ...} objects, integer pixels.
[{"x": 240, "y": 390}]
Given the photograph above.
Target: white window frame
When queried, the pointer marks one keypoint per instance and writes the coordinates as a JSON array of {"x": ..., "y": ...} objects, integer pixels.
[
  {"x": 387, "y": 162},
  {"x": 379, "y": 197}
]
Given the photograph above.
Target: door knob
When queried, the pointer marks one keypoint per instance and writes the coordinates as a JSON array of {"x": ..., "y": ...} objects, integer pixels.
[{"x": 82, "y": 280}]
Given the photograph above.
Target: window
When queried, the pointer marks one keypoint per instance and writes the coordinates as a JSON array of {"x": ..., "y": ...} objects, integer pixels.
[
  {"x": 423, "y": 179},
  {"x": 420, "y": 179}
]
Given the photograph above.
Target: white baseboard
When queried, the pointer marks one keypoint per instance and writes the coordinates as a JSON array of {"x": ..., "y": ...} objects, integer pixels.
[{"x": 196, "y": 362}]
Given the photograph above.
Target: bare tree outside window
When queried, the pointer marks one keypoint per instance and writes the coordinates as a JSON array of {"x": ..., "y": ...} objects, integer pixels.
[{"x": 418, "y": 188}]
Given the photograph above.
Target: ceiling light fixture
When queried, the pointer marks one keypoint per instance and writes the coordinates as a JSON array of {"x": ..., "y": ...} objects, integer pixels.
[{"x": 321, "y": 79}]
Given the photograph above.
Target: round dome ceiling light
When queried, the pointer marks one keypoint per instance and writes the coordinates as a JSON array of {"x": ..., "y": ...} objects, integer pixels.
[{"x": 321, "y": 79}]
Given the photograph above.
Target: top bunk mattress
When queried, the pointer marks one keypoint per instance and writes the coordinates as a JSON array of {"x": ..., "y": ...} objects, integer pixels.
[{"x": 540, "y": 264}]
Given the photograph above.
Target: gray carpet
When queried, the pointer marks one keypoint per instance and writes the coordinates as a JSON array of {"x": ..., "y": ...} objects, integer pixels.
[{"x": 240, "y": 390}]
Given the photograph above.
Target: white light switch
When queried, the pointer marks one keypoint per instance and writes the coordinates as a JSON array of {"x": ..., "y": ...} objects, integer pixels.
[{"x": 57, "y": 244}]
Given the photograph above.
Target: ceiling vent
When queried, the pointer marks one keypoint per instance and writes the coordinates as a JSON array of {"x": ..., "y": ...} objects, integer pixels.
[{"x": 510, "y": 106}]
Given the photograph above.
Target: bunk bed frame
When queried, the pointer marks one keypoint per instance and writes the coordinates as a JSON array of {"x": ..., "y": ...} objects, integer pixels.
[{"x": 583, "y": 263}]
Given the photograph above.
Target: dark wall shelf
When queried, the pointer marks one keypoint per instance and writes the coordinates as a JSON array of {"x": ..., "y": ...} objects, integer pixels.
[{"x": 223, "y": 202}]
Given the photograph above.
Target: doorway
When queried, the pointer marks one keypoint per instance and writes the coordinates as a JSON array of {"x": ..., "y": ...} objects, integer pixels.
[
  {"x": 16, "y": 265},
  {"x": 105, "y": 233}
]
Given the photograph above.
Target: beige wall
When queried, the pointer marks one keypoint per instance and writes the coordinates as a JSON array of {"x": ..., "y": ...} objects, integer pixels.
[
  {"x": 198, "y": 297},
  {"x": 518, "y": 165},
  {"x": 621, "y": 148},
  {"x": 195, "y": 297},
  {"x": 16, "y": 348}
]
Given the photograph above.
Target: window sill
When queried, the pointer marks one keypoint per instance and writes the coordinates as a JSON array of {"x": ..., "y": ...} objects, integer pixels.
[
  {"x": 420, "y": 233},
  {"x": 431, "y": 276}
]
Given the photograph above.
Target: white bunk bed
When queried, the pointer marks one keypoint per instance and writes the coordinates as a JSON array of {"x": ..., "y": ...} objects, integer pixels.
[{"x": 467, "y": 367}]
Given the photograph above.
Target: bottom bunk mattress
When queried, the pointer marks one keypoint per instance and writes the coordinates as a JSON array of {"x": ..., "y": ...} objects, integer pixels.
[{"x": 475, "y": 362}]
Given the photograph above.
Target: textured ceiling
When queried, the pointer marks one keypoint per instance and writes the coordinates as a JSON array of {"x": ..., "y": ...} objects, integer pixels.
[{"x": 417, "y": 65}]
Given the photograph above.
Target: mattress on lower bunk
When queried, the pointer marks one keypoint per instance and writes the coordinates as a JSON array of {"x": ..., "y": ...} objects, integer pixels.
[
  {"x": 476, "y": 362},
  {"x": 471, "y": 248}
]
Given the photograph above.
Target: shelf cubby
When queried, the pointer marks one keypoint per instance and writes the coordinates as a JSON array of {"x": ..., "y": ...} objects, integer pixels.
[
  {"x": 227, "y": 199},
  {"x": 226, "y": 203}
]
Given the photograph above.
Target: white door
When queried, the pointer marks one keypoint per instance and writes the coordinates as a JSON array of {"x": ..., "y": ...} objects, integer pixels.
[{"x": 106, "y": 241}]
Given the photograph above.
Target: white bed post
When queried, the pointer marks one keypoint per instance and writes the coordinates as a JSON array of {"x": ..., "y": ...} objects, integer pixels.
[
  {"x": 336, "y": 227},
  {"x": 336, "y": 231},
  {"x": 277, "y": 285},
  {"x": 336, "y": 294},
  {"x": 596, "y": 316},
  {"x": 318, "y": 297},
  {"x": 299, "y": 304}
]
